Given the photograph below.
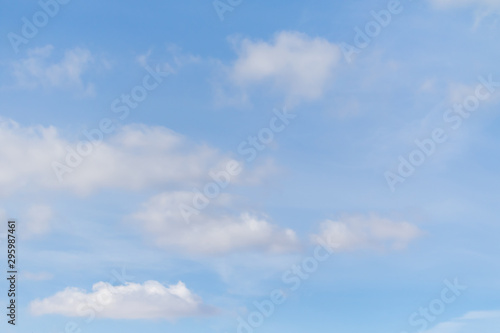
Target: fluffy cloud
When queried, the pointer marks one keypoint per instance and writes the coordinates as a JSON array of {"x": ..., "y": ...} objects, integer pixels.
[
  {"x": 39, "y": 69},
  {"x": 472, "y": 322},
  {"x": 294, "y": 63},
  {"x": 150, "y": 300},
  {"x": 133, "y": 157},
  {"x": 211, "y": 231},
  {"x": 358, "y": 232}
]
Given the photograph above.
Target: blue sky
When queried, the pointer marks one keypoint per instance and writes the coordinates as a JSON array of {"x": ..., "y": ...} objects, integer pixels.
[{"x": 232, "y": 166}]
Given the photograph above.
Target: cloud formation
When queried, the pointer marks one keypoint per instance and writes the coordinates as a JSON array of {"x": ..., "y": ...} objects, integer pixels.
[
  {"x": 211, "y": 231},
  {"x": 150, "y": 300},
  {"x": 360, "y": 232},
  {"x": 293, "y": 63},
  {"x": 40, "y": 69},
  {"x": 132, "y": 157}
]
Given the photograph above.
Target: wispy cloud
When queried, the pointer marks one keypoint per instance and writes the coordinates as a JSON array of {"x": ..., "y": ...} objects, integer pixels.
[
  {"x": 366, "y": 232},
  {"x": 42, "y": 69},
  {"x": 471, "y": 322}
]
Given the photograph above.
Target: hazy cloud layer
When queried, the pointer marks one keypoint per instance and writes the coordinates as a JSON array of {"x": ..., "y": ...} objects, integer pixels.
[{"x": 361, "y": 232}]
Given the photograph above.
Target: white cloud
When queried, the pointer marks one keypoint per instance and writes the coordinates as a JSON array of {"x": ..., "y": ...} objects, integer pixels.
[
  {"x": 472, "y": 322},
  {"x": 293, "y": 63},
  {"x": 133, "y": 157},
  {"x": 150, "y": 300},
  {"x": 372, "y": 232},
  {"x": 210, "y": 232},
  {"x": 39, "y": 69}
]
